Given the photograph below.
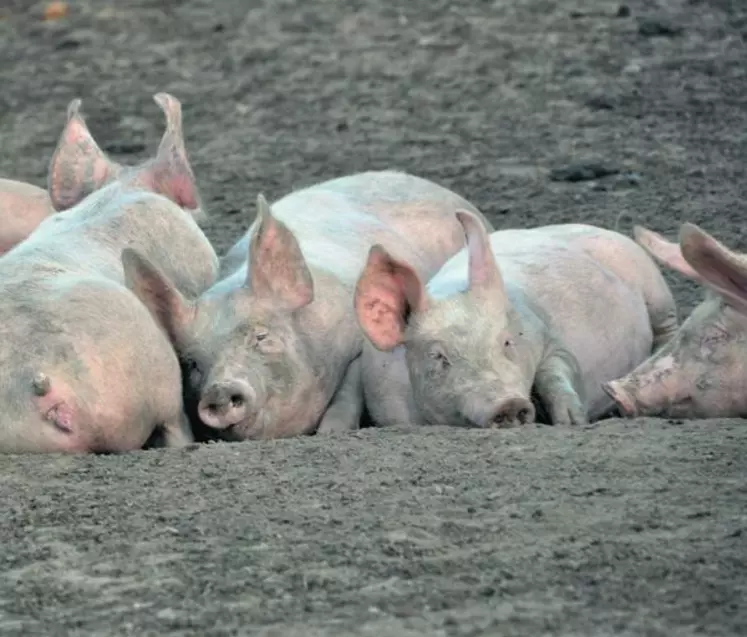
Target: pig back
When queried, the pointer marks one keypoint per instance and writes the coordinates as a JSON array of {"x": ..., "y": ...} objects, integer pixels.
[
  {"x": 336, "y": 223},
  {"x": 90, "y": 238}
]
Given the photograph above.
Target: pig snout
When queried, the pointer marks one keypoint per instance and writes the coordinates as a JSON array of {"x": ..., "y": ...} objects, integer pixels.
[
  {"x": 511, "y": 412},
  {"x": 226, "y": 403},
  {"x": 508, "y": 412},
  {"x": 615, "y": 389}
]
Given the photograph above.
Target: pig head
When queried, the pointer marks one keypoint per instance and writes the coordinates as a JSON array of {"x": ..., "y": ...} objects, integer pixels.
[
  {"x": 702, "y": 371},
  {"x": 261, "y": 355}
]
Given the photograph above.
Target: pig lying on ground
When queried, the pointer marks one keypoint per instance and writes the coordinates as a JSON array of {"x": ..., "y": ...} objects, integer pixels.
[
  {"x": 85, "y": 367},
  {"x": 272, "y": 350},
  {"x": 702, "y": 371},
  {"x": 22, "y": 208},
  {"x": 557, "y": 310}
]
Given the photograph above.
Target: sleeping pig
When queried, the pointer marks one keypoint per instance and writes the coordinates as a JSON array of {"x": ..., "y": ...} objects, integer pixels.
[{"x": 549, "y": 313}]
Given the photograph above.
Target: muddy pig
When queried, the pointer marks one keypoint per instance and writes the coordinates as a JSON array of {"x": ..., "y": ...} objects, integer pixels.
[
  {"x": 552, "y": 311},
  {"x": 272, "y": 350},
  {"x": 22, "y": 208},
  {"x": 702, "y": 371},
  {"x": 85, "y": 366}
]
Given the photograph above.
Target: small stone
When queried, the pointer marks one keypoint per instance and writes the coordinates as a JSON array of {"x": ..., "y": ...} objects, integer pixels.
[
  {"x": 582, "y": 171},
  {"x": 656, "y": 27},
  {"x": 623, "y": 11}
]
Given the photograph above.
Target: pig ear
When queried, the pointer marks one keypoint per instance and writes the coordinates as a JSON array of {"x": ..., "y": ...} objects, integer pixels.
[
  {"x": 665, "y": 252},
  {"x": 484, "y": 273},
  {"x": 78, "y": 166},
  {"x": 717, "y": 266},
  {"x": 166, "y": 304},
  {"x": 277, "y": 267},
  {"x": 169, "y": 173},
  {"x": 387, "y": 292}
]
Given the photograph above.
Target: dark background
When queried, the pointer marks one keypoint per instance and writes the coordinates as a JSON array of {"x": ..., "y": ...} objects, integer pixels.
[{"x": 635, "y": 527}]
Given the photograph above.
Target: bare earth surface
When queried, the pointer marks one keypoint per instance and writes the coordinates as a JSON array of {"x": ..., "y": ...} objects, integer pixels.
[{"x": 626, "y": 528}]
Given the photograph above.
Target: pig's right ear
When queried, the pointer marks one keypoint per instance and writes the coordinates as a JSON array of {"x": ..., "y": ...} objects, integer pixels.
[
  {"x": 277, "y": 267},
  {"x": 387, "y": 292},
  {"x": 78, "y": 166},
  {"x": 665, "y": 252},
  {"x": 166, "y": 304},
  {"x": 717, "y": 266}
]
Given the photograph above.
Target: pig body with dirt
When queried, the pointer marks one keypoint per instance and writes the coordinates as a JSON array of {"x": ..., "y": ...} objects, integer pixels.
[
  {"x": 85, "y": 366},
  {"x": 22, "y": 208},
  {"x": 702, "y": 371},
  {"x": 547, "y": 313},
  {"x": 273, "y": 349}
]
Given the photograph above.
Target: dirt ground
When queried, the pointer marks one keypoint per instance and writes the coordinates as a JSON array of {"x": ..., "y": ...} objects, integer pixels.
[{"x": 626, "y": 528}]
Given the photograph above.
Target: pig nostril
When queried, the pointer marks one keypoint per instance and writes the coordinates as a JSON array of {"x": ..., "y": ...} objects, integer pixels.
[
  {"x": 237, "y": 400},
  {"x": 523, "y": 416}
]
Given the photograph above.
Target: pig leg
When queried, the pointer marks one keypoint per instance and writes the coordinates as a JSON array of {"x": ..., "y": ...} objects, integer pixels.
[
  {"x": 344, "y": 412},
  {"x": 662, "y": 311},
  {"x": 177, "y": 433},
  {"x": 557, "y": 384}
]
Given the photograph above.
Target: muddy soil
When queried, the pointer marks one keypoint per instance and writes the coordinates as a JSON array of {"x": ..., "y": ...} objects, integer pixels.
[{"x": 626, "y": 528}]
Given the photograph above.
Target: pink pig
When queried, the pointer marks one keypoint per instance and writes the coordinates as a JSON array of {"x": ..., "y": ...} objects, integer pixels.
[
  {"x": 85, "y": 368},
  {"x": 550, "y": 312},
  {"x": 702, "y": 371}
]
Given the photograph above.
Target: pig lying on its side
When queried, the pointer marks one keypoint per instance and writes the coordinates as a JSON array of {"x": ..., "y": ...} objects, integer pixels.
[
  {"x": 702, "y": 371},
  {"x": 84, "y": 366},
  {"x": 22, "y": 208},
  {"x": 273, "y": 349},
  {"x": 555, "y": 310}
]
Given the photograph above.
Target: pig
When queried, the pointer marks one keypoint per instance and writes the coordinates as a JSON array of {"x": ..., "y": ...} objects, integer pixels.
[
  {"x": 518, "y": 321},
  {"x": 85, "y": 367},
  {"x": 702, "y": 371},
  {"x": 272, "y": 349},
  {"x": 23, "y": 207}
]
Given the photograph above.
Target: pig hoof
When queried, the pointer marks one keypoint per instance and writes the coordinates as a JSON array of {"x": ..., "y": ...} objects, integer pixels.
[{"x": 622, "y": 399}]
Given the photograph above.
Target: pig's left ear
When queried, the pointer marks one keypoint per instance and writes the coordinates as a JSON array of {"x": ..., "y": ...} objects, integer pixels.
[
  {"x": 170, "y": 173},
  {"x": 717, "y": 266},
  {"x": 277, "y": 267},
  {"x": 78, "y": 166},
  {"x": 484, "y": 273},
  {"x": 166, "y": 304},
  {"x": 387, "y": 292}
]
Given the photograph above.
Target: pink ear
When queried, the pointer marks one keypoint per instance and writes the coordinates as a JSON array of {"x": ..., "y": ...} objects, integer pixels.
[
  {"x": 387, "y": 291},
  {"x": 716, "y": 265},
  {"x": 169, "y": 173},
  {"x": 166, "y": 304},
  {"x": 78, "y": 166},
  {"x": 277, "y": 267},
  {"x": 483, "y": 269},
  {"x": 665, "y": 252}
]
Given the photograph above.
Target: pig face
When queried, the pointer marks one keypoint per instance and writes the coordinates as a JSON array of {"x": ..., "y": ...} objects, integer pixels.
[
  {"x": 702, "y": 371},
  {"x": 466, "y": 354},
  {"x": 251, "y": 361},
  {"x": 79, "y": 167}
]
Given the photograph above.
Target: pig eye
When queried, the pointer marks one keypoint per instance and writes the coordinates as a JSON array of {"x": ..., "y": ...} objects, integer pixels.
[
  {"x": 261, "y": 336},
  {"x": 438, "y": 356}
]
